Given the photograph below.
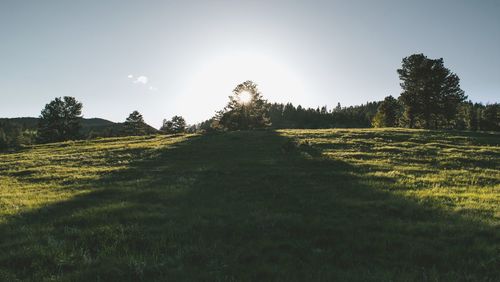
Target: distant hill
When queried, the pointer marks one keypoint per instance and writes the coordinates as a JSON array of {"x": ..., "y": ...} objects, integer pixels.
[
  {"x": 26, "y": 122},
  {"x": 32, "y": 122},
  {"x": 96, "y": 126}
]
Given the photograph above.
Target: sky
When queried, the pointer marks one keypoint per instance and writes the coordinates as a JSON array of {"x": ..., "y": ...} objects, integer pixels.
[{"x": 166, "y": 58}]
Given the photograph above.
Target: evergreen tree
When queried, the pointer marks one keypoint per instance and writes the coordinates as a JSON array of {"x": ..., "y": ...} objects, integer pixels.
[
  {"x": 387, "y": 113},
  {"x": 431, "y": 93},
  {"x": 167, "y": 126},
  {"x": 469, "y": 115},
  {"x": 491, "y": 117},
  {"x": 176, "y": 125},
  {"x": 450, "y": 96},
  {"x": 179, "y": 124},
  {"x": 13, "y": 135},
  {"x": 60, "y": 120},
  {"x": 246, "y": 110},
  {"x": 474, "y": 117},
  {"x": 134, "y": 124},
  {"x": 338, "y": 108}
]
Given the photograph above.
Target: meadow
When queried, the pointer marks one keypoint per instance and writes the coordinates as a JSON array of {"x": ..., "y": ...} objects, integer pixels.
[{"x": 286, "y": 205}]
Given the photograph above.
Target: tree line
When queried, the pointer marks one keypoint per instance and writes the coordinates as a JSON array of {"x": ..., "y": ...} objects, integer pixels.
[
  {"x": 281, "y": 116},
  {"x": 60, "y": 120},
  {"x": 468, "y": 116},
  {"x": 431, "y": 98}
]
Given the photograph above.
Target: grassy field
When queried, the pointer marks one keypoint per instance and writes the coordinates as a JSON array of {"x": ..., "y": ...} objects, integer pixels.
[{"x": 291, "y": 205}]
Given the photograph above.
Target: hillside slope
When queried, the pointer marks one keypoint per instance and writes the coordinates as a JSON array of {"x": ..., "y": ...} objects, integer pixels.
[{"x": 297, "y": 205}]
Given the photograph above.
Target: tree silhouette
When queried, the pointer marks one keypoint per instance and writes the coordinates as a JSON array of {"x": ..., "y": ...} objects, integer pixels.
[
  {"x": 387, "y": 113},
  {"x": 60, "y": 120},
  {"x": 246, "y": 110},
  {"x": 431, "y": 93},
  {"x": 491, "y": 117},
  {"x": 134, "y": 124},
  {"x": 176, "y": 125}
]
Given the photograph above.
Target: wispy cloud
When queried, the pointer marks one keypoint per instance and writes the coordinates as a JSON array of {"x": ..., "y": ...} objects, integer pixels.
[{"x": 141, "y": 79}]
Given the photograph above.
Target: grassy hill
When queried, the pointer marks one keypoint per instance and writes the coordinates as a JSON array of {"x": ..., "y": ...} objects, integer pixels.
[{"x": 296, "y": 205}]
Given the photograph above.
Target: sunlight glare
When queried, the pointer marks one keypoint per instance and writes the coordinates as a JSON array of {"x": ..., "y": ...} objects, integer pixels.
[
  {"x": 244, "y": 97},
  {"x": 218, "y": 74}
]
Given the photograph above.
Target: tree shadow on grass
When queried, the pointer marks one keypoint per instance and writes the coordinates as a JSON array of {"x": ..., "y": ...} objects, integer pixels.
[{"x": 243, "y": 206}]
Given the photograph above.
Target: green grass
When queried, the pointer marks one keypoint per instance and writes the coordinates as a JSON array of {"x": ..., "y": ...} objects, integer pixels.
[{"x": 291, "y": 205}]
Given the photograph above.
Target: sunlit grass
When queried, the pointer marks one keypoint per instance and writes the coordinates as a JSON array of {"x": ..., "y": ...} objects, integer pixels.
[
  {"x": 50, "y": 173},
  {"x": 457, "y": 172},
  {"x": 308, "y": 205}
]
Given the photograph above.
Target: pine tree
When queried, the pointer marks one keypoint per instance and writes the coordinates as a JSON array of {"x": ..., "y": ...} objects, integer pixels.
[
  {"x": 60, "y": 120},
  {"x": 387, "y": 113},
  {"x": 246, "y": 110},
  {"x": 176, "y": 125},
  {"x": 431, "y": 93},
  {"x": 179, "y": 124},
  {"x": 491, "y": 117},
  {"x": 134, "y": 124}
]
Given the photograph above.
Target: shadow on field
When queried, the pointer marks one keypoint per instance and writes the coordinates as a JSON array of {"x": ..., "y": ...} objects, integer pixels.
[{"x": 243, "y": 206}]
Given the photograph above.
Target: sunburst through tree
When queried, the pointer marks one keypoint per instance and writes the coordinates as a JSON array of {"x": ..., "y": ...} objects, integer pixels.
[{"x": 246, "y": 110}]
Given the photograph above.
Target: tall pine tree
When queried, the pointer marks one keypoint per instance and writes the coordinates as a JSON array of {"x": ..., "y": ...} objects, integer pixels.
[{"x": 431, "y": 93}]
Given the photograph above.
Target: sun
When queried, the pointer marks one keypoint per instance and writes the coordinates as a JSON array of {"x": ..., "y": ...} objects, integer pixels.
[{"x": 244, "y": 97}]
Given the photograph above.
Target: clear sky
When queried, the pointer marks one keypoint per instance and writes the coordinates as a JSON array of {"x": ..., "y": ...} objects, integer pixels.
[{"x": 168, "y": 58}]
